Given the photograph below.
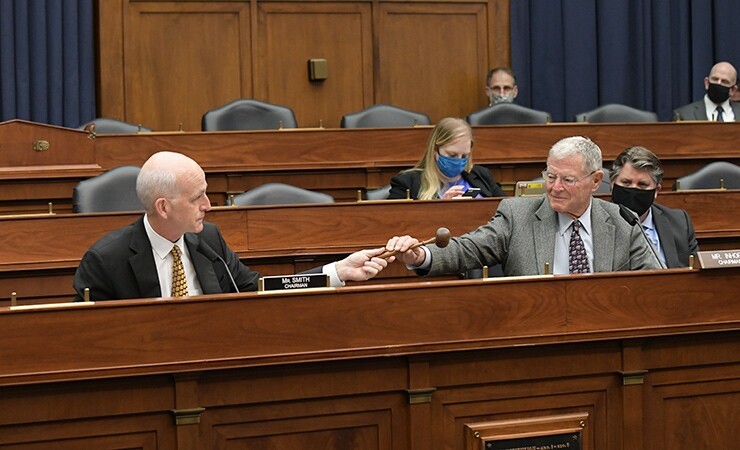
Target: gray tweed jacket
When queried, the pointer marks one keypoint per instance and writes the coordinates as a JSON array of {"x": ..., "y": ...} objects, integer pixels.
[{"x": 521, "y": 237}]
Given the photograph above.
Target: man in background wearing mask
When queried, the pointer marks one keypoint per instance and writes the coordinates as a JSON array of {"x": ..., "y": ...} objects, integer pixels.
[
  {"x": 501, "y": 86},
  {"x": 635, "y": 179},
  {"x": 715, "y": 106}
]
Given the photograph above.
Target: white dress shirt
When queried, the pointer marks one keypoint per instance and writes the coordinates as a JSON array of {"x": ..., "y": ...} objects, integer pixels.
[
  {"x": 562, "y": 241},
  {"x": 727, "y": 114},
  {"x": 161, "y": 248},
  {"x": 652, "y": 233}
]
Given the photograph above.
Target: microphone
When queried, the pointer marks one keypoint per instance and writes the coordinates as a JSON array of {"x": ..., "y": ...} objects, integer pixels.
[
  {"x": 632, "y": 219},
  {"x": 233, "y": 283},
  {"x": 226, "y": 266}
]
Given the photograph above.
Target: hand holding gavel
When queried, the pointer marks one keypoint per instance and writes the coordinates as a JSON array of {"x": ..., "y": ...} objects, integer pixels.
[{"x": 441, "y": 238}]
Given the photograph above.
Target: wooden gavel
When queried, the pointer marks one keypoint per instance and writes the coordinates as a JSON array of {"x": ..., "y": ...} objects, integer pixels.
[{"x": 441, "y": 238}]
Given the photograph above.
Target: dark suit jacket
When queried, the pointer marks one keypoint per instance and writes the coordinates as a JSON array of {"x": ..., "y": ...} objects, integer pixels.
[
  {"x": 676, "y": 234},
  {"x": 121, "y": 265},
  {"x": 479, "y": 177},
  {"x": 697, "y": 111}
]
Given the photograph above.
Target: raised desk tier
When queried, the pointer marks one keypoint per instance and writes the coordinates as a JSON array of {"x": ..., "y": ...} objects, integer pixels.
[
  {"x": 647, "y": 360},
  {"x": 41, "y": 253},
  {"x": 41, "y": 163}
]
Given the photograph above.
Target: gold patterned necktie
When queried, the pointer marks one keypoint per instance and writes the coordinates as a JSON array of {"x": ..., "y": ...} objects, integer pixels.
[{"x": 179, "y": 283}]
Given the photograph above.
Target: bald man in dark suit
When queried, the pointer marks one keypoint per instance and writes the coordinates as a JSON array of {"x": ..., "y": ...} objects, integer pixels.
[{"x": 720, "y": 85}]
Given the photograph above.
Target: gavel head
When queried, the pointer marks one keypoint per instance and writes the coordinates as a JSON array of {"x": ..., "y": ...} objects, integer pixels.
[{"x": 442, "y": 238}]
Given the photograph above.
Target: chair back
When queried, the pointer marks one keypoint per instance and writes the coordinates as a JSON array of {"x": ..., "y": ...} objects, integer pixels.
[
  {"x": 508, "y": 114},
  {"x": 384, "y": 116},
  {"x": 615, "y": 113},
  {"x": 114, "y": 190},
  {"x": 280, "y": 194},
  {"x": 716, "y": 175},
  {"x": 104, "y": 125},
  {"x": 380, "y": 193},
  {"x": 248, "y": 114}
]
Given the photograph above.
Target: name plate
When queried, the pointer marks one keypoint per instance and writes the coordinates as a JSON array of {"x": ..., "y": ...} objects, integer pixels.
[
  {"x": 570, "y": 441},
  {"x": 529, "y": 189},
  {"x": 719, "y": 259},
  {"x": 288, "y": 282}
]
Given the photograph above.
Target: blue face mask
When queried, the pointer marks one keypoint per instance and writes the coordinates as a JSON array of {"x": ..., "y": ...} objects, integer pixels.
[{"x": 451, "y": 167}]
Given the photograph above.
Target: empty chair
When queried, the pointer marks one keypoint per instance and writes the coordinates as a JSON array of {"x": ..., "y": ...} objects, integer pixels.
[
  {"x": 114, "y": 190},
  {"x": 280, "y": 194},
  {"x": 248, "y": 114},
  {"x": 383, "y": 116},
  {"x": 508, "y": 114},
  {"x": 104, "y": 125},
  {"x": 716, "y": 175},
  {"x": 614, "y": 112}
]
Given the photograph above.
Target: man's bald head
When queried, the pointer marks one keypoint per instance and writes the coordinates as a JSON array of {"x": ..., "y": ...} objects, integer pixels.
[
  {"x": 160, "y": 174},
  {"x": 723, "y": 73}
]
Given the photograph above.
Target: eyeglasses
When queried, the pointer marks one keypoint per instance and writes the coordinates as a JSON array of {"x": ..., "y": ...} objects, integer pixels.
[
  {"x": 568, "y": 181},
  {"x": 501, "y": 88}
]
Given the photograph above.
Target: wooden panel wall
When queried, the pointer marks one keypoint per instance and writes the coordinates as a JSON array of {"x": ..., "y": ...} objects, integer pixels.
[
  {"x": 292, "y": 33},
  {"x": 163, "y": 64},
  {"x": 431, "y": 57},
  {"x": 181, "y": 57}
]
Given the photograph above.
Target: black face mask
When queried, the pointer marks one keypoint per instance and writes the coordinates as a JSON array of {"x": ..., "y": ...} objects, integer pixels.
[
  {"x": 718, "y": 93},
  {"x": 638, "y": 200}
]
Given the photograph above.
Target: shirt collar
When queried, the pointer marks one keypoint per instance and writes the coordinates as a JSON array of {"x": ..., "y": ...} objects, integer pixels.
[
  {"x": 710, "y": 105},
  {"x": 648, "y": 222},
  {"x": 161, "y": 246},
  {"x": 564, "y": 221}
]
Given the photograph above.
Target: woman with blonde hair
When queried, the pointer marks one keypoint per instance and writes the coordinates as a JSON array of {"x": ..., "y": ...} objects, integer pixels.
[{"x": 446, "y": 170}]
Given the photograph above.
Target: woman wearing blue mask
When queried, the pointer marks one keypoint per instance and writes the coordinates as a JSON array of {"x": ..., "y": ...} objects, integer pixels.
[{"x": 446, "y": 170}]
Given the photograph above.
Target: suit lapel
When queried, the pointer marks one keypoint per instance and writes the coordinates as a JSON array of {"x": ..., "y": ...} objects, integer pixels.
[
  {"x": 142, "y": 262},
  {"x": 700, "y": 111},
  {"x": 544, "y": 236},
  {"x": 203, "y": 265},
  {"x": 736, "y": 110},
  {"x": 665, "y": 234},
  {"x": 604, "y": 245}
]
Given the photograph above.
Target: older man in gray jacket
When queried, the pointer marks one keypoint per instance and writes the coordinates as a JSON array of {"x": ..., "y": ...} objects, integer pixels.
[{"x": 568, "y": 229}]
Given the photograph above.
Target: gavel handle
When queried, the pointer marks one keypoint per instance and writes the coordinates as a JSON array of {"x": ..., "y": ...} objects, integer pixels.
[{"x": 390, "y": 253}]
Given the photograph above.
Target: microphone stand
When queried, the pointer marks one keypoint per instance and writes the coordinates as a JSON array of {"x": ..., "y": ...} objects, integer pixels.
[{"x": 632, "y": 219}]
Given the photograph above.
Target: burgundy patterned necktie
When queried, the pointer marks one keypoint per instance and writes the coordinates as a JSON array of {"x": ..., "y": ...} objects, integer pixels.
[{"x": 577, "y": 260}]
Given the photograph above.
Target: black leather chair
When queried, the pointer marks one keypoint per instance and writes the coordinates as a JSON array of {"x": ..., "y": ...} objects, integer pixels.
[
  {"x": 280, "y": 194},
  {"x": 616, "y": 113},
  {"x": 384, "y": 116},
  {"x": 248, "y": 114},
  {"x": 508, "y": 114},
  {"x": 105, "y": 125},
  {"x": 114, "y": 190},
  {"x": 716, "y": 175}
]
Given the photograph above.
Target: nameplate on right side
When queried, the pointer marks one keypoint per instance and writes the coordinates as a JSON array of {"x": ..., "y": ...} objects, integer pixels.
[{"x": 719, "y": 259}]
